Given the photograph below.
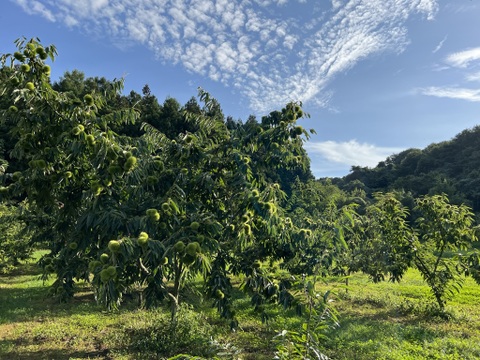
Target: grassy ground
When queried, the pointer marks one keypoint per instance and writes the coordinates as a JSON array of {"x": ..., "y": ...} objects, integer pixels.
[{"x": 377, "y": 321}]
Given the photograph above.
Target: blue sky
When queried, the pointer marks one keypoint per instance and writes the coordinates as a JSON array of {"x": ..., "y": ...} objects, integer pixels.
[{"x": 376, "y": 76}]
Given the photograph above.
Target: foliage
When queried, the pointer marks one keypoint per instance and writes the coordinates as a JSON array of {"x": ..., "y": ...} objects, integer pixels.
[
  {"x": 388, "y": 244},
  {"x": 384, "y": 240},
  {"x": 150, "y": 208},
  {"x": 14, "y": 241},
  {"x": 442, "y": 227},
  {"x": 189, "y": 334},
  {"x": 306, "y": 343}
]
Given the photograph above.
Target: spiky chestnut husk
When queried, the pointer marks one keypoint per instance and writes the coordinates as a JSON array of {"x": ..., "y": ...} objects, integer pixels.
[
  {"x": 219, "y": 294},
  {"x": 130, "y": 163},
  {"x": 231, "y": 228},
  {"x": 43, "y": 55},
  {"x": 245, "y": 218},
  {"x": 25, "y": 68},
  {"x": 112, "y": 271},
  {"x": 114, "y": 169},
  {"x": 104, "y": 258},
  {"x": 68, "y": 174},
  {"x": 153, "y": 214},
  {"x": 200, "y": 237},
  {"x": 114, "y": 246},
  {"x": 3, "y": 190},
  {"x": 163, "y": 225},
  {"x": 50, "y": 269},
  {"x": 298, "y": 130},
  {"x": 93, "y": 265},
  {"x": 104, "y": 276},
  {"x": 198, "y": 248},
  {"x": 90, "y": 140},
  {"x": 41, "y": 164},
  {"x": 184, "y": 171},
  {"x": 188, "y": 138},
  {"x": 30, "y": 86},
  {"x": 255, "y": 193},
  {"x": 19, "y": 56},
  {"x": 46, "y": 69},
  {"x": 14, "y": 81},
  {"x": 195, "y": 225},
  {"x": 164, "y": 261},
  {"x": 142, "y": 238},
  {"x": 191, "y": 249},
  {"x": 73, "y": 246},
  {"x": 179, "y": 246},
  {"x": 165, "y": 206},
  {"x": 77, "y": 130},
  {"x": 88, "y": 99}
]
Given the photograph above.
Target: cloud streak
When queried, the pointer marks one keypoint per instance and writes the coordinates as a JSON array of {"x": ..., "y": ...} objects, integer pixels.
[
  {"x": 467, "y": 61},
  {"x": 452, "y": 93},
  {"x": 256, "y": 46},
  {"x": 350, "y": 152},
  {"x": 463, "y": 58}
]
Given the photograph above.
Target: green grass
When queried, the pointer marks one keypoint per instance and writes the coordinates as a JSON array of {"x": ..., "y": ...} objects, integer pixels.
[
  {"x": 398, "y": 321},
  {"x": 377, "y": 321}
]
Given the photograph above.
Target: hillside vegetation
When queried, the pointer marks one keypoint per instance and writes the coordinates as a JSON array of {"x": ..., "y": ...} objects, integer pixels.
[{"x": 451, "y": 167}]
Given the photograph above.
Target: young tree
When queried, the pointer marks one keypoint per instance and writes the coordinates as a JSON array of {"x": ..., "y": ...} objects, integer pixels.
[
  {"x": 389, "y": 245},
  {"x": 442, "y": 227}
]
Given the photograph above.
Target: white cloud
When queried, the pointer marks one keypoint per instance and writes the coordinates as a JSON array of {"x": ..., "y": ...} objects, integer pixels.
[
  {"x": 440, "y": 45},
  {"x": 463, "y": 59},
  {"x": 350, "y": 153},
  {"x": 270, "y": 55},
  {"x": 452, "y": 93},
  {"x": 36, "y": 7},
  {"x": 473, "y": 76}
]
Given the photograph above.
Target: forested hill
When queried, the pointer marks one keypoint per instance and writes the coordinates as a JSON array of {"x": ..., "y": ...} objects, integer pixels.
[{"x": 451, "y": 167}]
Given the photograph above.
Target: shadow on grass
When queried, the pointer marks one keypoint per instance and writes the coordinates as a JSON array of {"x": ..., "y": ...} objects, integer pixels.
[
  {"x": 57, "y": 354},
  {"x": 22, "y": 270},
  {"x": 23, "y": 297}
]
